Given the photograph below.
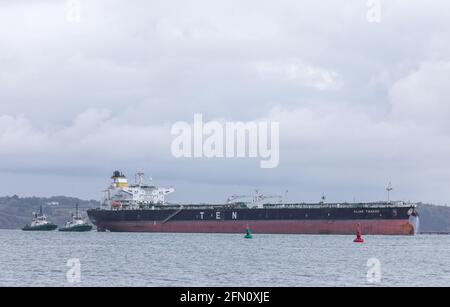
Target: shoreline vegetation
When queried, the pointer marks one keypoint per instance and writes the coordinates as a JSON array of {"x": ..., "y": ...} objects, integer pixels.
[{"x": 16, "y": 211}]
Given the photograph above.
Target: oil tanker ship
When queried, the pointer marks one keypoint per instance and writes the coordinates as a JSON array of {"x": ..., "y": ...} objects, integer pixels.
[{"x": 141, "y": 207}]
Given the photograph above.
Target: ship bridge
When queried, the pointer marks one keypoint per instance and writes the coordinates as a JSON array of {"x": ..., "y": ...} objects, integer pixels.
[{"x": 122, "y": 195}]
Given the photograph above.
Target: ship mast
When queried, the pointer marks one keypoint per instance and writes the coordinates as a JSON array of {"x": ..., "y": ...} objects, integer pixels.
[
  {"x": 389, "y": 188},
  {"x": 139, "y": 178}
]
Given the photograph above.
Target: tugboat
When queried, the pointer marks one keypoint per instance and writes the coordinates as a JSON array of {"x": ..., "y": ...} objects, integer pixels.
[
  {"x": 77, "y": 224},
  {"x": 39, "y": 223}
]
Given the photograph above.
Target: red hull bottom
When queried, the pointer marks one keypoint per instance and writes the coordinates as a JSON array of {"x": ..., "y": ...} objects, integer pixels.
[{"x": 368, "y": 227}]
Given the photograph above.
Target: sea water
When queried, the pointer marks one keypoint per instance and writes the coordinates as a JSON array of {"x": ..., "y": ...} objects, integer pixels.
[{"x": 166, "y": 259}]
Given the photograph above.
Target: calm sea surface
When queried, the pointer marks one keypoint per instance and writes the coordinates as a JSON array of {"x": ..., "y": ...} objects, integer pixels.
[{"x": 149, "y": 259}]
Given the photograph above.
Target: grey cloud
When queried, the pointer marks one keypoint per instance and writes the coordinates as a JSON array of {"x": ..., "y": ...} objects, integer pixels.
[{"x": 350, "y": 96}]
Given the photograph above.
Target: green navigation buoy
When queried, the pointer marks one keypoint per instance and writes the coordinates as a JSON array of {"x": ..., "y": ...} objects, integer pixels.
[{"x": 248, "y": 234}]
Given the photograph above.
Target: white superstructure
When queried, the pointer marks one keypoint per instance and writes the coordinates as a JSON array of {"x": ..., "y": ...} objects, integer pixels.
[
  {"x": 121, "y": 195},
  {"x": 77, "y": 219},
  {"x": 39, "y": 219}
]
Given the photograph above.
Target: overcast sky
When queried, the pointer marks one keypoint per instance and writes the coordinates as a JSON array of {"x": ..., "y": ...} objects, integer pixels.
[{"x": 359, "y": 104}]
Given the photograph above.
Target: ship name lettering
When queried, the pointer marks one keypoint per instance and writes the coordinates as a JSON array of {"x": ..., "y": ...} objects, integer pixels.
[
  {"x": 201, "y": 215},
  {"x": 234, "y": 215},
  {"x": 217, "y": 215},
  {"x": 372, "y": 211}
]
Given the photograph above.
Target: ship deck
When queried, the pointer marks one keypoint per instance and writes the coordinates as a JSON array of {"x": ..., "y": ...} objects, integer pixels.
[{"x": 373, "y": 205}]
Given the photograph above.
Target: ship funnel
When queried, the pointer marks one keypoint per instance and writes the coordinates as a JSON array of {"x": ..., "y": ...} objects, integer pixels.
[
  {"x": 117, "y": 174},
  {"x": 119, "y": 180}
]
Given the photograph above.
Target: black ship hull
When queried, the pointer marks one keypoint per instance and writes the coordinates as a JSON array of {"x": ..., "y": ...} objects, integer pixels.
[{"x": 383, "y": 219}]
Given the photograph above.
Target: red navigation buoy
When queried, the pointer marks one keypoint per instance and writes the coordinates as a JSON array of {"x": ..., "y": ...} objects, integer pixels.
[{"x": 358, "y": 238}]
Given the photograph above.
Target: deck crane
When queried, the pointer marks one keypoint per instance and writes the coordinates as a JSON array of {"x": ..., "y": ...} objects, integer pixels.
[{"x": 258, "y": 198}]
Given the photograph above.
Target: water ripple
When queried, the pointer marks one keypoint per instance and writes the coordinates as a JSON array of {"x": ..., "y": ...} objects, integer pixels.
[{"x": 149, "y": 259}]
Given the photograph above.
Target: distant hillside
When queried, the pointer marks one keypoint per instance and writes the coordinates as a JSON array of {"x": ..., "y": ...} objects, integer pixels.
[
  {"x": 15, "y": 211},
  {"x": 434, "y": 218}
]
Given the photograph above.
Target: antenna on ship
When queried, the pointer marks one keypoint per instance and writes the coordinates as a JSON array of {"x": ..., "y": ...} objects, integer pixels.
[
  {"x": 257, "y": 198},
  {"x": 323, "y": 198},
  {"x": 139, "y": 178},
  {"x": 389, "y": 188},
  {"x": 285, "y": 196}
]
